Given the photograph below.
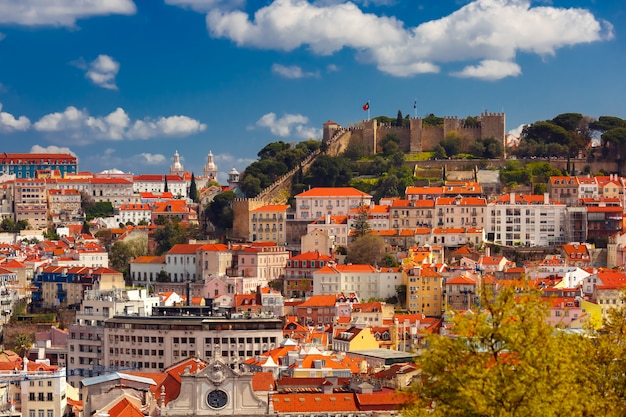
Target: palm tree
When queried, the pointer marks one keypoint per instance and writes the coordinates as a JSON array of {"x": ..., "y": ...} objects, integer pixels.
[{"x": 23, "y": 343}]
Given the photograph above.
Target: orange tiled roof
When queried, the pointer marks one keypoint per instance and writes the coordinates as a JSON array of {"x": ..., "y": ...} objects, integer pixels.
[
  {"x": 333, "y": 192},
  {"x": 314, "y": 402},
  {"x": 272, "y": 207}
]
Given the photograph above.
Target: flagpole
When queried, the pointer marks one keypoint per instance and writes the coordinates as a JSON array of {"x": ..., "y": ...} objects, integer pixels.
[
  {"x": 415, "y": 109},
  {"x": 368, "y": 110}
]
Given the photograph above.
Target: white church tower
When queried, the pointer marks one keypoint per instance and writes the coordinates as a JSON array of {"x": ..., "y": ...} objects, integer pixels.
[
  {"x": 210, "y": 169},
  {"x": 177, "y": 168}
]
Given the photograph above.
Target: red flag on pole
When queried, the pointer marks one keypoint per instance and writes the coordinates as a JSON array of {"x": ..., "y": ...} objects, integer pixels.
[{"x": 366, "y": 106}]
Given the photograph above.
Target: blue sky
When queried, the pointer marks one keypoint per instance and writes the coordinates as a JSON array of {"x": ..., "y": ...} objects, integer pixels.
[{"x": 125, "y": 83}]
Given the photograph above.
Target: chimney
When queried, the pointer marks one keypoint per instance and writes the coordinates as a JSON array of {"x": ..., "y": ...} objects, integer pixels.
[
  {"x": 546, "y": 198},
  {"x": 512, "y": 198}
]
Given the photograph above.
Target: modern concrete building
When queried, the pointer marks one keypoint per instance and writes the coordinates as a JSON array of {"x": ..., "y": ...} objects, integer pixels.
[{"x": 174, "y": 333}]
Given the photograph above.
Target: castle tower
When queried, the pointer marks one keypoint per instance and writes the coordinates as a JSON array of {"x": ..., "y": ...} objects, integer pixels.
[
  {"x": 233, "y": 179},
  {"x": 210, "y": 169},
  {"x": 176, "y": 168}
]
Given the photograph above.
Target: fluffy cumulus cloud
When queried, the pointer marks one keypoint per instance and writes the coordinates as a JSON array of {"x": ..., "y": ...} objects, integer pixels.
[
  {"x": 288, "y": 125},
  {"x": 206, "y": 5},
  {"x": 60, "y": 12},
  {"x": 79, "y": 127},
  {"x": 484, "y": 36},
  {"x": 152, "y": 159},
  {"x": 490, "y": 70},
  {"x": 9, "y": 123},
  {"x": 51, "y": 149},
  {"x": 292, "y": 71},
  {"x": 102, "y": 71}
]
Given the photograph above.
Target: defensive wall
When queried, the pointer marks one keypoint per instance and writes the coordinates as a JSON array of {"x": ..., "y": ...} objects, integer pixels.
[{"x": 416, "y": 137}]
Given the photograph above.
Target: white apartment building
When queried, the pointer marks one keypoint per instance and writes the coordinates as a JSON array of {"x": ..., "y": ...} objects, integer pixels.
[
  {"x": 134, "y": 213},
  {"x": 335, "y": 227},
  {"x": 86, "y": 334},
  {"x": 65, "y": 206},
  {"x": 156, "y": 342},
  {"x": 149, "y": 183},
  {"x": 335, "y": 201},
  {"x": 364, "y": 280},
  {"x": 31, "y": 202},
  {"x": 265, "y": 261},
  {"x": 268, "y": 223},
  {"x": 452, "y": 212},
  {"x": 525, "y": 220},
  {"x": 214, "y": 260},
  {"x": 181, "y": 262},
  {"x": 39, "y": 391},
  {"x": 377, "y": 216},
  {"x": 144, "y": 270},
  {"x": 117, "y": 191}
]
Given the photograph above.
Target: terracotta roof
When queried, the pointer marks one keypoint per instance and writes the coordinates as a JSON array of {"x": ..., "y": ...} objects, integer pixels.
[
  {"x": 461, "y": 279},
  {"x": 272, "y": 207},
  {"x": 314, "y": 403},
  {"x": 263, "y": 381},
  {"x": 333, "y": 192},
  {"x": 185, "y": 248},
  {"x": 125, "y": 408}
]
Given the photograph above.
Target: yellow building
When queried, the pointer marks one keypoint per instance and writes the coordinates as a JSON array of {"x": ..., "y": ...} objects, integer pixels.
[
  {"x": 355, "y": 339},
  {"x": 424, "y": 291}
]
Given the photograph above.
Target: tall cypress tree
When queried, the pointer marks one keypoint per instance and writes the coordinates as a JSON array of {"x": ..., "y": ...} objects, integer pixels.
[
  {"x": 193, "y": 190},
  {"x": 165, "y": 188}
]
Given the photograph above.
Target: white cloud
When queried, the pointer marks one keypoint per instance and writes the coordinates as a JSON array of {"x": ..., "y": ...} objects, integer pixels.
[
  {"x": 206, "y": 5},
  {"x": 165, "y": 126},
  {"x": 60, "y": 12},
  {"x": 51, "y": 149},
  {"x": 152, "y": 159},
  {"x": 482, "y": 31},
  {"x": 332, "y": 68},
  {"x": 2, "y": 36},
  {"x": 8, "y": 122},
  {"x": 490, "y": 70},
  {"x": 79, "y": 127},
  {"x": 289, "y": 124},
  {"x": 292, "y": 71},
  {"x": 102, "y": 71}
]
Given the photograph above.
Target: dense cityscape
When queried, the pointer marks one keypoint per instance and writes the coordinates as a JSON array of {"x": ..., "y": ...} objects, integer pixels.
[
  {"x": 312, "y": 208},
  {"x": 128, "y": 295}
]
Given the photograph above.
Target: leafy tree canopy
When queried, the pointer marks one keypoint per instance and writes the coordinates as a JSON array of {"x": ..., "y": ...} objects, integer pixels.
[
  {"x": 605, "y": 123},
  {"x": 275, "y": 160},
  {"x": 329, "y": 171},
  {"x": 220, "y": 212},
  {"x": 505, "y": 360},
  {"x": 367, "y": 249}
]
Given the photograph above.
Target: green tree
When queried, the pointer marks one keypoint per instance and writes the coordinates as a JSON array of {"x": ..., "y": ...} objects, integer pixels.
[
  {"x": 163, "y": 276},
  {"x": 193, "y": 189},
  {"x": 606, "y": 123},
  {"x": 432, "y": 120},
  {"x": 165, "y": 187},
  {"x": 23, "y": 343},
  {"x": 504, "y": 360},
  {"x": 361, "y": 224},
  {"x": 220, "y": 212},
  {"x": 329, "y": 171},
  {"x": 452, "y": 144},
  {"x": 399, "y": 120},
  {"x": 171, "y": 233},
  {"x": 439, "y": 152},
  {"x": 122, "y": 252},
  {"x": 389, "y": 261},
  {"x": 367, "y": 249}
]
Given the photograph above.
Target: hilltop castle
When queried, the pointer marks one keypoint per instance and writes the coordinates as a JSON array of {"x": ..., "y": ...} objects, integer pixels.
[{"x": 417, "y": 137}]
